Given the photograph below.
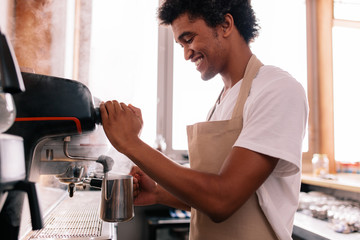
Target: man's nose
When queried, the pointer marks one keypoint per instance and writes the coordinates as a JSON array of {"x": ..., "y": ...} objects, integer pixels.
[{"x": 188, "y": 53}]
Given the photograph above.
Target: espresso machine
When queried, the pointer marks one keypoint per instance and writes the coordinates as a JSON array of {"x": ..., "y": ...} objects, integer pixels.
[
  {"x": 13, "y": 180},
  {"x": 60, "y": 123}
]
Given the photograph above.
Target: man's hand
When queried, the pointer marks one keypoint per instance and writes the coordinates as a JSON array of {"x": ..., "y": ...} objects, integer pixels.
[
  {"x": 145, "y": 189},
  {"x": 122, "y": 124}
]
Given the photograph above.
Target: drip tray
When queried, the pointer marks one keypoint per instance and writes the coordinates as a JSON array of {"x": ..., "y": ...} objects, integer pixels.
[{"x": 75, "y": 218}]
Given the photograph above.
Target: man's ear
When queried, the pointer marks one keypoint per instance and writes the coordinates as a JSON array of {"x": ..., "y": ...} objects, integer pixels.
[{"x": 228, "y": 25}]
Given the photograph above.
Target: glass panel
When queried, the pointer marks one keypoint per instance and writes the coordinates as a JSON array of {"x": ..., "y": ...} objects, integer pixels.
[
  {"x": 346, "y": 59},
  {"x": 124, "y": 56},
  {"x": 347, "y": 9},
  {"x": 281, "y": 43}
]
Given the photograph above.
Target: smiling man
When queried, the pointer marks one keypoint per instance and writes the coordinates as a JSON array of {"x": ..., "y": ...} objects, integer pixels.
[{"x": 245, "y": 160}]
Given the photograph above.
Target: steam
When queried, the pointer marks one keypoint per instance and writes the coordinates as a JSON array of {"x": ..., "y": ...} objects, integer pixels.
[{"x": 122, "y": 163}]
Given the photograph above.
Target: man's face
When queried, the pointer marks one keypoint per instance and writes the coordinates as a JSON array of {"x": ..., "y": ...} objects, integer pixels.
[{"x": 201, "y": 45}]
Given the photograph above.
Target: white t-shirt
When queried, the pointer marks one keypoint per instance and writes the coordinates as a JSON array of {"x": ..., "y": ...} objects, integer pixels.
[{"x": 274, "y": 123}]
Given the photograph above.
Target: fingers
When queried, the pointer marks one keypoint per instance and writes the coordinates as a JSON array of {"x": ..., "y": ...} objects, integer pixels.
[
  {"x": 136, "y": 173},
  {"x": 136, "y": 180},
  {"x": 136, "y": 187},
  {"x": 137, "y": 112},
  {"x": 111, "y": 107},
  {"x": 103, "y": 112},
  {"x": 115, "y": 106},
  {"x": 124, "y": 107},
  {"x": 135, "y": 170}
]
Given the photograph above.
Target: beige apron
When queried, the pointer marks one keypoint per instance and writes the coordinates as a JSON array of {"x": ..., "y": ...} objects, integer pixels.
[{"x": 209, "y": 145}]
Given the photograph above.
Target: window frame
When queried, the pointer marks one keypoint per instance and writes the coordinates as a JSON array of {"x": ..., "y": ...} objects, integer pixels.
[{"x": 321, "y": 23}]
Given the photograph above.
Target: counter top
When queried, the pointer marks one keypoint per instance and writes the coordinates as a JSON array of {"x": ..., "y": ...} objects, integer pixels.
[
  {"x": 48, "y": 199},
  {"x": 304, "y": 226},
  {"x": 342, "y": 181},
  {"x": 314, "y": 229},
  {"x": 68, "y": 218}
]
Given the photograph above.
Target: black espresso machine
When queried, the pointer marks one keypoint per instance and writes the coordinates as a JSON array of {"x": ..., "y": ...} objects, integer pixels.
[
  {"x": 55, "y": 131},
  {"x": 61, "y": 128},
  {"x": 52, "y": 107}
]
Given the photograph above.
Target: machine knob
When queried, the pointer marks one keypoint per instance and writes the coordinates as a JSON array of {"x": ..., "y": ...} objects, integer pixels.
[{"x": 71, "y": 189}]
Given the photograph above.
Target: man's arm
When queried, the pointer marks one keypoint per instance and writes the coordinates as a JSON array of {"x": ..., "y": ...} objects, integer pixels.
[
  {"x": 166, "y": 198},
  {"x": 217, "y": 195}
]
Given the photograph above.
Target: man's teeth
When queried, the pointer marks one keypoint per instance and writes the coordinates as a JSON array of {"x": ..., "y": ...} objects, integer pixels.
[{"x": 197, "y": 63}]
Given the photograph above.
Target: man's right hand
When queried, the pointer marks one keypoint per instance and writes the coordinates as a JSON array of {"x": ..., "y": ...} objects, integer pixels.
[{"x": 145, "y": 189}]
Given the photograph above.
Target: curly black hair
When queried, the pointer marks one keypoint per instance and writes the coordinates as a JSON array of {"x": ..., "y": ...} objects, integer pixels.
[{"x": 213, "y": 12}]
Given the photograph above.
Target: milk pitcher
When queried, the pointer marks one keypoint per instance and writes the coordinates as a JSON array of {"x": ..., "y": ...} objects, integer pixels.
[{"x": 117, "y": 198}]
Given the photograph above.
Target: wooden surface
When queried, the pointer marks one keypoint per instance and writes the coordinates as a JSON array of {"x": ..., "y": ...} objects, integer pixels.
[{"x": 343, "y": 181}]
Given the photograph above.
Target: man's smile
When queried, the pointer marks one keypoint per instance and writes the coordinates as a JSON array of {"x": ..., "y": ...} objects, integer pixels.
[{"x": 198, "y": 61}]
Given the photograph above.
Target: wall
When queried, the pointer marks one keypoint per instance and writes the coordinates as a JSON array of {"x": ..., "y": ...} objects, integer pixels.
[{"x": 33, "y": 35}]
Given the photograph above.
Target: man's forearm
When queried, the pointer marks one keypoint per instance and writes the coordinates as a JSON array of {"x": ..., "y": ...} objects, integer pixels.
[{"x": 166, "y": 198}]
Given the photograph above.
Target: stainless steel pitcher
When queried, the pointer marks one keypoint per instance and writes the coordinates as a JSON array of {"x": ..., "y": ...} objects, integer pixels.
[{"x": 117, "y": 198}]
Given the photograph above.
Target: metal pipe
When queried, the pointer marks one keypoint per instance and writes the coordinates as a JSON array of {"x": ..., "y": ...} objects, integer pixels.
[{"x": 67, "y": 154}]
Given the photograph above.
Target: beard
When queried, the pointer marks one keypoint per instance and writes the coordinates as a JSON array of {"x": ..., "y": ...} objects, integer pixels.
[{"x": 213, "y": 67}]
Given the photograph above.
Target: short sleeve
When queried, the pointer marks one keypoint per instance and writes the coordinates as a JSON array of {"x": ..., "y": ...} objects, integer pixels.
[{"x": 274, "y": 120}]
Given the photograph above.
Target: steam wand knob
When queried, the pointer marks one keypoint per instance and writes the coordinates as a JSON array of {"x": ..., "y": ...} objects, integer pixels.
[{"x": 107, "y": 163}]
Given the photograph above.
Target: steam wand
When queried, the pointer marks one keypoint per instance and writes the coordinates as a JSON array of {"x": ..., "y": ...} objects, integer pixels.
[
  {"x": 66, "y": 152},
  {"x": 106, "y": 161}
]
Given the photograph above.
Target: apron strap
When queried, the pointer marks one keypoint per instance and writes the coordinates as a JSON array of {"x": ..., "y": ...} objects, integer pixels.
[
  {"x": 214, "y": 107},
  {"x": 251, "y": 71}
]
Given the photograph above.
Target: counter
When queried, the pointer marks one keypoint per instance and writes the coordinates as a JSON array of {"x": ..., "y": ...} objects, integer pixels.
[
  {"x": 305, "y": 226},
  {"x": 310, "y": 228},
  {"x": 68, "y": 218},
  {"x": 341, "y": 181},
  {"x": 343, "y": 185}
]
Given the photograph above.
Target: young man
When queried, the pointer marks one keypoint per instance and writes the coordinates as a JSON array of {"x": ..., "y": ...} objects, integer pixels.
[{"x": 245, "y": 161}]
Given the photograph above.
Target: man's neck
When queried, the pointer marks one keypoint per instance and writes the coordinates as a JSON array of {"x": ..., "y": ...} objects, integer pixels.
[{"x": 236, "y": 69}]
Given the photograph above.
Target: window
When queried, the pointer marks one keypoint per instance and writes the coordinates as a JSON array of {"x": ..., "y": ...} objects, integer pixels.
[
  {"x": 123, "y": 56},
  {"x": 346, "y": 79},
  {"x": 317, "y": 44},
  {"x": 281, "y": 43},
  {"x": 334, "y": 37}
]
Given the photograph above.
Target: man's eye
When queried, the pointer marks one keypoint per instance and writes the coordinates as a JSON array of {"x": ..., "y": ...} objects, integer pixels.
[{"x": 189, "y": 40}]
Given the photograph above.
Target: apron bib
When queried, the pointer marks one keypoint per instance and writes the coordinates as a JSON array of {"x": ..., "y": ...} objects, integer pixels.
[{"x": 209, "y": 145}]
